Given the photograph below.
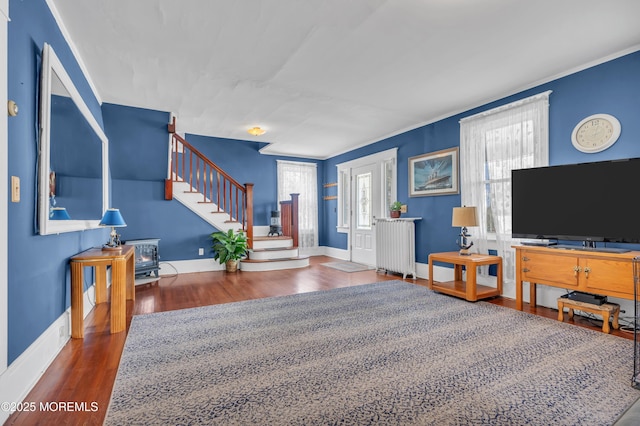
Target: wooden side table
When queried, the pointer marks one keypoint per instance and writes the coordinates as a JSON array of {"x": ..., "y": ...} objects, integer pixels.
[
  {"x": 468, "y": 289},
  {"x": 122, "y": 264}
]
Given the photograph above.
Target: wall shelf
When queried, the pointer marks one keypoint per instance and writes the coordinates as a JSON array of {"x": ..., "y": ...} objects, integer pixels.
[{"x": 330, "y": 185}]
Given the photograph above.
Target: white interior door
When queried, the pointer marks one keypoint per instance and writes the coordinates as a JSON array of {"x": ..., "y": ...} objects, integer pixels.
[{"x": 365, "y": 199}]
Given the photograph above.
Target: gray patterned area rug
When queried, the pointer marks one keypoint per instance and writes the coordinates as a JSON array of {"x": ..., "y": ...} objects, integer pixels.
[
  {"x": 347, "y": 266},
  {"x": 384, "y": 353}
]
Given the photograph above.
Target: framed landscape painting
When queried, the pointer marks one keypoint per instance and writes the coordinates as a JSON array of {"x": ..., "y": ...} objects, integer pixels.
[{"x": 434, "y": 173}]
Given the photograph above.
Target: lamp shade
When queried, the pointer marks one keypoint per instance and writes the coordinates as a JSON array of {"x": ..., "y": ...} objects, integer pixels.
[
  {"x": 464, "y": 216},
  {"x": 59, "y": 213},
  {"x": 112, "y": 217}
]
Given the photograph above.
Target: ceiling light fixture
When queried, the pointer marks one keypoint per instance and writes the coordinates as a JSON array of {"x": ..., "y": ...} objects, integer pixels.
[{"x": 256, "y": 131}]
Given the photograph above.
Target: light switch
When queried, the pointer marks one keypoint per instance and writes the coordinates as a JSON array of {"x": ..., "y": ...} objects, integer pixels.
[
  {"x": 15, "y": 189},
  {"x": 403, "y": 208}
]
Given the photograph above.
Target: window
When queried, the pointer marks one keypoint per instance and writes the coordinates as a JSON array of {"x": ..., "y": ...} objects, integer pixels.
[
  {"x": 301, "y": 178},
  {"x": 363, "y": 191},
  {"x": 389, "y": 181},
  {"x": 492, "y": 144},
  {"x": 497, "y": 171},
  {"x": 343, "y": 199}
]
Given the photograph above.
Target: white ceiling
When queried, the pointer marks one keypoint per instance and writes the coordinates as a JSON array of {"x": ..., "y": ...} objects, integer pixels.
[{"x": 326, "y": 76}]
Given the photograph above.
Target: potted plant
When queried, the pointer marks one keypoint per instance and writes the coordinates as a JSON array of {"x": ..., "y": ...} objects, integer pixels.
[
  {"x": 394, "y": 209},
  {"x": 229, "y": 247}
]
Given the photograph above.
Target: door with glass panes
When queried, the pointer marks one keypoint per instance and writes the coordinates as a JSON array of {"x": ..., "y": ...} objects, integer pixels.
[{"x": 365, "y": 202}]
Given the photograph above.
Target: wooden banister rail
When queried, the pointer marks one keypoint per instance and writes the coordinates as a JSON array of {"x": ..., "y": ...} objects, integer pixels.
[
  {"x": 189, "y": 165},
  {"x": 289, "y": 218}
]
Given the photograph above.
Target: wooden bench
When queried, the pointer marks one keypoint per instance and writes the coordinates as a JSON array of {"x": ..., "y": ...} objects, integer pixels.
[{"x": 607, "y": 310}]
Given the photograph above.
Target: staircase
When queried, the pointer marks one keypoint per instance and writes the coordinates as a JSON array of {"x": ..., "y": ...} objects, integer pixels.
[
  {"x": 208, "y": 191},
  {"x": 273, "y": 254}
]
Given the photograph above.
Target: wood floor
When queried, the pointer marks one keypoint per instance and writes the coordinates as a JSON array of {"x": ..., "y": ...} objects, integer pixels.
[{"x": 85, "y": 369}]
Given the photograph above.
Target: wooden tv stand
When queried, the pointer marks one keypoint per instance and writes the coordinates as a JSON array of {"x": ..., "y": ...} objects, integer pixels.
[{"x": 608, "y": 274}]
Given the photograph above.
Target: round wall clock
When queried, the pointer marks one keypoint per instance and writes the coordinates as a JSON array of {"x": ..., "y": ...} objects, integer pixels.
[{"x": 596, "y": 133}]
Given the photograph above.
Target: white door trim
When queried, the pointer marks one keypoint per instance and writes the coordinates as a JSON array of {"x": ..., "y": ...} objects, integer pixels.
[
  {"x": 378, "y": 158},
  {"x": 4, "y": 194}
]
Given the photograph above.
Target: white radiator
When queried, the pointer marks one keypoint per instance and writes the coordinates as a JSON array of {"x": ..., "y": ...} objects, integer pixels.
[{"x": 396, "y": 246}]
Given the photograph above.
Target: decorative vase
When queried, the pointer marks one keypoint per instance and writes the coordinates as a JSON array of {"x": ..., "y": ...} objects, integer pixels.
[
  {"x": 394, "y": 214},
  {"x": 231, "y": 265}
]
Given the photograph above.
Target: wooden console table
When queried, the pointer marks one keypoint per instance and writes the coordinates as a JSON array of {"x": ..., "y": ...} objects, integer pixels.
[
  {"x": 468, "y": 289},
  {"x": 122, "y": 264},
  {"x": 608, "y": 274}
]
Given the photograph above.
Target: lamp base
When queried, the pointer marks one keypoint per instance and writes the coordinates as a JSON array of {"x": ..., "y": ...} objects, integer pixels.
[
  {"x": 111, "y": 248},
  {"x": 465, "y": 252}
]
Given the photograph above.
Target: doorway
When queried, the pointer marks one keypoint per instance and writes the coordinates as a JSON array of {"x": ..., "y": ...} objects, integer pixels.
[
  {"x": 366, "y": 208},
  {"x": 366, "y": 189}
]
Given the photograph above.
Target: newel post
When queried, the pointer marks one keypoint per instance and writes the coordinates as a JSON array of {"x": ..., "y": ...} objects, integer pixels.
[
  {"x": 168, "y": 189},
  {"x": 249, "y": 207},
  {"x": 168, "y": 182}
]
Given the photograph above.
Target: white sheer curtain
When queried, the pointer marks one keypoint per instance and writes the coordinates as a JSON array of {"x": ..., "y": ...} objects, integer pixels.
[
  {"x": 492, "y": 144},
  {"x": 301, "y": 178}
]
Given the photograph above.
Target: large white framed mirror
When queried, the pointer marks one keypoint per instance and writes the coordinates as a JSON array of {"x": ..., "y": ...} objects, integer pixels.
[{"x": 73, "y": 170}]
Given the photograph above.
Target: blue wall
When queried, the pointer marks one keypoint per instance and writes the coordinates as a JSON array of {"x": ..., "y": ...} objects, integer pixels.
[
  {"x": 139, "y": 143},
  {"x": 38, "y": 265},
  {"x": 139, "y": 154},
  {"x": 242, "y": 160},
  {"x": 39, "y": 286},
  {"x": 612, "y": 88}
]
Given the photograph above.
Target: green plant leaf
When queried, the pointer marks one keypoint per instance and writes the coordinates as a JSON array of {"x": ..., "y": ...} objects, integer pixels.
[{"x": 229, "y": 245}]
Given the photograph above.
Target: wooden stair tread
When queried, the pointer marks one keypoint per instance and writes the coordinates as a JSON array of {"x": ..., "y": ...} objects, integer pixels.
[
  {"x": 273, "y": 260},
  {"x": 273, "y": 249}
]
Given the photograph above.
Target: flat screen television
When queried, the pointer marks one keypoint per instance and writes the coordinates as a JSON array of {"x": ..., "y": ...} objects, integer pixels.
[{"x": 589, "y": 202}]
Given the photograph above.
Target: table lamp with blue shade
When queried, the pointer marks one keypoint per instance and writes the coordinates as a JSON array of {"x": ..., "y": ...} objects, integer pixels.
[
  {"x": 59, "y": 213},
  {"x": 113, "y": 218}
]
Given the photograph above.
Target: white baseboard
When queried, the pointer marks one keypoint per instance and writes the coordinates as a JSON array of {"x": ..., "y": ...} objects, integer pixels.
[
  {"x": 24, "y": 372},
  {"x": 189, "y": 266},
  {"x": 208, "y": 264},
  {"x": 311, "y": 251},
  {"x": 337, "y": 253}
]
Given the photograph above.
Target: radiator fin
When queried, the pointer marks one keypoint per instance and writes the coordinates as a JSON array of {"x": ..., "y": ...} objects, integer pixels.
[{"x": 395, "y": 246}]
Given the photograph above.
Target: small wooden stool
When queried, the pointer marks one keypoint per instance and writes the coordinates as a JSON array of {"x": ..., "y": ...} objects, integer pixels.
[{"x": 606, "y": 310}]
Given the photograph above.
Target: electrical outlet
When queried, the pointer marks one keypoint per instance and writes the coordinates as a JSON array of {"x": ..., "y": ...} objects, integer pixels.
[
  {"x": 403, "y": 208},
  {"x": 61, "y": 331},
  {"x": 201, "y": 251}
]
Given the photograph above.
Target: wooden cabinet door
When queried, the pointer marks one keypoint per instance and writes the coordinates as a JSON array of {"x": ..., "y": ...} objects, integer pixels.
[
  {"x": 607, "y": 275},
  {"x": 549, "y": 268}
]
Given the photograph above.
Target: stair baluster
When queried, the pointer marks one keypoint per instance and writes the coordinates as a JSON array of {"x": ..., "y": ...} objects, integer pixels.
[{"x": 237, "y": 201}]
